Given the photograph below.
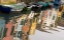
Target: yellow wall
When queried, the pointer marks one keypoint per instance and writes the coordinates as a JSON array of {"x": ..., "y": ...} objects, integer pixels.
[
  {"x": 33, "y": 27},
  {"x": 7, "y": 1},
  {"x": 59, "y": 14}
]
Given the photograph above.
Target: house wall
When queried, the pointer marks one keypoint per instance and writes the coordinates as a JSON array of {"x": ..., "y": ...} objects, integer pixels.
[
  {"x": 44, "y": 19},
  {"x": 48, "y": 20},
  {"x": 7, "y": 1},
  {"x": 33, "y": 27}
]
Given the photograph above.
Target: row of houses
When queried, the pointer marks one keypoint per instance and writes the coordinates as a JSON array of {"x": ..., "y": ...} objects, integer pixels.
[
  {"x": 48, "y": 18},
  {"x": 25, "y": 25},
  {"x": 16, "y": 1}
]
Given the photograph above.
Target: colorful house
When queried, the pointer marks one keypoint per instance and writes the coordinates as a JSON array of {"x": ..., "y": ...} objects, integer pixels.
[
  {"x": 33, "y": 27},
  {"x": 8, "y": 34},
  {"x": 53, "y": 17},
  {"x": 49, "y": 19},
  {"x": 59, "y": 15},
  {"x": 44, "y": 18},
  {"x": 61, "y": 23}
]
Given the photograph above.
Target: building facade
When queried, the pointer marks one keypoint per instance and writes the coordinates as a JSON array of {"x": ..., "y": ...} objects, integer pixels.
[{"x": 49, "y": 19}]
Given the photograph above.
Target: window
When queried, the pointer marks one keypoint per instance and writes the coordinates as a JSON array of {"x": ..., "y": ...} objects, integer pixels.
[
  {"x": 12, "y": 31},
  {"x": 5, "y": 30},
  {"x": 44, "y": 23},
  {"x": 51, "y": 25},
  {"x": 50, "y": 14},
  {"x": 58, "y": 18},
  {"x": 53, "y": 18}
]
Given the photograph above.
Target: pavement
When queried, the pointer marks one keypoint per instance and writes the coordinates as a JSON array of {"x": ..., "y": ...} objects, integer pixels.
[{"x": 54, "y": 35}]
